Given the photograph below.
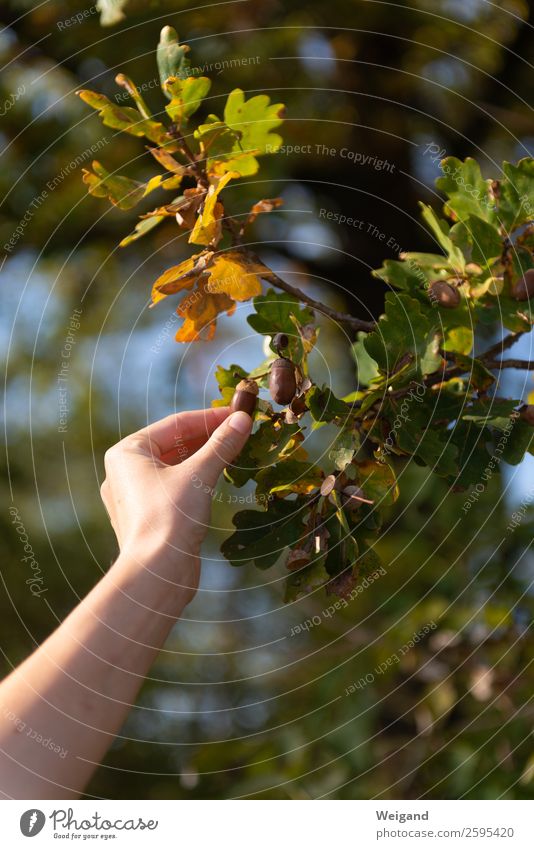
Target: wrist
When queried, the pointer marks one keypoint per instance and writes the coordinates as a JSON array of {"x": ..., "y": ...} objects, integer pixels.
[{"x": 156, "y": 562}]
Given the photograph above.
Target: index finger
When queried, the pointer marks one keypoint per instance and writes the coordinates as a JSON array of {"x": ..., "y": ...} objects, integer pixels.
[{"x": 175, "y": 437}]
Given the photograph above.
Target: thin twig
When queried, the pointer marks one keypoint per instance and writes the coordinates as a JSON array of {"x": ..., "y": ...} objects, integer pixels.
[
  {"x": 341, "y": 317},
  {"x": 501, "y": 346}
]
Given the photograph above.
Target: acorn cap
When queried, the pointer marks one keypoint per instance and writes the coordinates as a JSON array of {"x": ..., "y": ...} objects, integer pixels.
[
  {"x": 445, "y": 294},
  {"x": 247, "y": 385},
  {"x": 282, "y": 362}
]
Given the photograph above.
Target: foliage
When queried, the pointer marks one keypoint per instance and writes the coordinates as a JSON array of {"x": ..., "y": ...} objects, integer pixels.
[
  {"x": 269, "y": 703},
  {"x": 422, "y": 386}
]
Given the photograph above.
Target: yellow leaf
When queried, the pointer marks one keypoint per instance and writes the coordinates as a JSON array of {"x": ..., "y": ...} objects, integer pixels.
[
  {"x": 187, "y": 95},
  {"x": 164, "y": 181},
  {"x": 167, "y": 161},
  {"x": 459, "y": 339},
  {"x": 378, "y": 482},
  {"x": 234, "y": 274},
  {"x": 208, "y": 226},
  {"x": 179, "y": 277}
]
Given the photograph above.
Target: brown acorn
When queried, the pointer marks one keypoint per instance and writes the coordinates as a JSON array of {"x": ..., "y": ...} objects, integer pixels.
[
  {"x": 280, "y": 342},
  {"x": 282, "y": 381},
  {"x": 527, "y": 414},
  {"x": 442, "y": 293},
  {"x": 245, "y": 397},
  {"x": 523, "y": 289}
]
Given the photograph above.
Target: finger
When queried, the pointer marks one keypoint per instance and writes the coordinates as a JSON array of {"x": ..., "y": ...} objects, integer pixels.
[
  {"x": 182, "y": 452},
  {"x": 222, "y": 447},
  {"x": 173, "y": 434}
]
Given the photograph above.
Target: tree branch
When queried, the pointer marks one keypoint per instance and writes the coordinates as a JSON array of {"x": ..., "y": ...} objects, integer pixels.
[
  {"x": 341, "y": 317},
  {"x": 526, "y": 365}
]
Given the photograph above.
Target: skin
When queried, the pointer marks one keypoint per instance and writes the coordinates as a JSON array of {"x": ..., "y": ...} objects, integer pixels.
[{"x": 78, "y": 686}]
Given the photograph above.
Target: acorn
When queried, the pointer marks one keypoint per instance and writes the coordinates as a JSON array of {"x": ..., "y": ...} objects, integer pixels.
[
  {"x": 245, "y": 397},
  {"x": 527, "y": 414},
  {"x": 282, "y": 381},
  {"x": 280, "y": 342},
  {"x": 523, "y": 289},
  {"x": 442, "y": 293}
]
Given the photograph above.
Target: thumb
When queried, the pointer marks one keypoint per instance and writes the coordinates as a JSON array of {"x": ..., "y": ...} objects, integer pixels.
[{"x": 222, "y": 447}]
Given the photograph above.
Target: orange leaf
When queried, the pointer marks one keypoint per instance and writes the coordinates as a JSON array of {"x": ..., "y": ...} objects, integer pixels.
[
  {"x": 264, "y": 206},
  {"x": 200, "y": 310}
]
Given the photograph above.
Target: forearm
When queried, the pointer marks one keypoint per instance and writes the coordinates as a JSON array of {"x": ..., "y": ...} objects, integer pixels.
[{"x": 76, "y": 689}]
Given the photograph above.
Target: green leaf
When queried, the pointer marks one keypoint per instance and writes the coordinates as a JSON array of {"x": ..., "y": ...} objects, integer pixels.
[
  {"x": 492, "y": 412},
  {"x": 171, "y": 57},
  {"x": 262, "y": 537},
  {"x": 479, "y": 376},
  {"x": 493, "y": 312},
  {"x": 459, "y": 234},
  {"x": 440, "y": 229},
  {"x": 342, "y": 546},
  {"x": 459, "y": 339},
  {"x": 263, "y": 448},
  {"x": 186, "y": 97},
  {"x": 516, "y": 194},
  {"x": 522, "y": 260},
  {"x": 288, "y": 476},
  {"x": 431, "y": 445},
  {"x": 368, "y": 561},
  {"x": 135, "y": 94},
  {"x": 473, "y": 456},
  {"x": 325, "y": 407},
  {"x": 409, "y": 274},
  {"x": 227, "y": 380},
  {"x": 304, "y": 581},
  {"x": 126, "y": 118},
  {"x": 366, "y": 367},
  {"x": 345, "y": 443},
  {"x": 122, "y": 191},
  {"x": 378, "y": 482},
  {"x": 142, "y": 228},
  {"x": 273, "y": 315},
  {"x": 486, "y": 240},
  {"x": 520, "y": 441},
  {"x": 404, "y": 329},
  {"x": 243, "y": 134},
  {"x": 467, "y": 191}
]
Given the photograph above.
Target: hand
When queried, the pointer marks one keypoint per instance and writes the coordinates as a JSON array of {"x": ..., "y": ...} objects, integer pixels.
[{"x": 159, "y": 485}]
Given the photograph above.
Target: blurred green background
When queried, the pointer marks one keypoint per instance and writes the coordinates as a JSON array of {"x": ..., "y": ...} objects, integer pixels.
[{"x": 236, "y": 705}]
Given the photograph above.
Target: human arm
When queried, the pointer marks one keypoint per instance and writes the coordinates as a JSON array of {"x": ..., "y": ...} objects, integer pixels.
[{"x": 77, "y": 687}]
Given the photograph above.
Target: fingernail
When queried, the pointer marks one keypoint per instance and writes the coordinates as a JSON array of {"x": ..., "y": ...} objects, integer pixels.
[{"x": 240, "y": 421}]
